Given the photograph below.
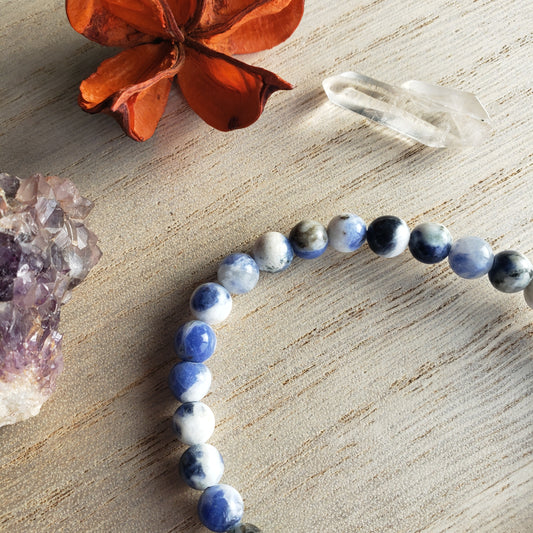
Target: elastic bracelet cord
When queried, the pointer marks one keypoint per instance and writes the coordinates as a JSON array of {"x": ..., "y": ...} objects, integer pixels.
[{"x": 220, "y": 507}]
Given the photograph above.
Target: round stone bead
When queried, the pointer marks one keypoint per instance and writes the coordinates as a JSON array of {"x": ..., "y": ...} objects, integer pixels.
[
  {"x": 511, "y": 271},
  {"x": 346, "y": 232},
  {"x": 528, "y": 295},
  {"x": 211, "y": 303},
  {"x": 470, "y": 257},
  {"x": 195, "y": 341},
  {"x": 430, "y": 243},
  {"x": 309, "y": 239},
  {"x": 273, "y": 252},
  {"x": 189, "y": 382},
  {"x": 245, "y": 528},
  {"x": 388, "y": 236},
  {"x": 220, "y": 508},
  {"x": 238, "y": 273},
  {"x": 201, "y": 466},
  {"x": 193, "y": 423}
]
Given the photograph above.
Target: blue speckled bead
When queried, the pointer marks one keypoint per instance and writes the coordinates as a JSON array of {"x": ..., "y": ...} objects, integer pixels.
[
  {"x": 511, "y": 271},
  {"x": 388, "y": 236},
  {"x": 470, "y": 257},
  {"x": 273, "y": 252},
  {"x": 193, "y": 423},
  {"x": 430, "y": 242},
  {"x": 309, "y": 239},
  {"x": 211, "y": 303},
  {"x": 195, "y": 341},
  {"x": 220, "y": 508},
  {"x": 189, "y": 382},
  {"x": 346, "y": 232},
  {"x": 238, "y": 273},
  {"x": 201, "y": 466}
]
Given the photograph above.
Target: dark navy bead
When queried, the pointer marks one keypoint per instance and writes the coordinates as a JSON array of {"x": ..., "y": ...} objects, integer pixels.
[
  {"x": 189, "y": 382},
  {"x": 220, "y": 508},
  {"x": 387, "y": 236},
  {"x": 430, "y": 243},
  {"x": 195, "y": 341},
  {"x": 309, "y": 239},
  {"x": 511, "y": 271}
]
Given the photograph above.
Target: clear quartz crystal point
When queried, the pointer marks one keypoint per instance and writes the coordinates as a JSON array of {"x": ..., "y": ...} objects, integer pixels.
[{"x": 432, "y": 115}]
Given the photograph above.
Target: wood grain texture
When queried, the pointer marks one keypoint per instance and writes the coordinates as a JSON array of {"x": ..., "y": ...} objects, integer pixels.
[{"x": 351, "y": 393}]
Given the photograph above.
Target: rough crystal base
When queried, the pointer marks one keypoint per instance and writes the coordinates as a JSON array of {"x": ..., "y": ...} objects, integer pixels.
[{"x": 45, "y": 250}]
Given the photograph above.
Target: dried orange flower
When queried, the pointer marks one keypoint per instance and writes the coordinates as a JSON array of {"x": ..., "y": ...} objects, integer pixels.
[{"x": 191, "y": 41}]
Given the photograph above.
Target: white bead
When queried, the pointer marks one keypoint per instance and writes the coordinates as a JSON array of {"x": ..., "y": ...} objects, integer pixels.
[
  {"x": 273, "y": 252},
  {"x": 193, "y": 423},
  {"x": 346, "y": 232}
]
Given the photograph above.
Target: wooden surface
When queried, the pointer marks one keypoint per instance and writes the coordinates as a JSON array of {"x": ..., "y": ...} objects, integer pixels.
[{"x": 352, "y": 393}]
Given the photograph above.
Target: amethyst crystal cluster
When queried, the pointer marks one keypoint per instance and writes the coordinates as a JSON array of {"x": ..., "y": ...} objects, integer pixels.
[{"x": 45, "y": 250}]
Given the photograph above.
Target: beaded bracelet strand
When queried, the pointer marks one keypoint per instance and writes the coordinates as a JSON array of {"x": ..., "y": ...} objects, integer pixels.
[{"x": 220, "y": 507}]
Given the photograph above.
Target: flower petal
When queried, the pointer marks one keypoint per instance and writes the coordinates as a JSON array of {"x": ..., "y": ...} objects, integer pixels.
[
  {"x": 226, "y": 93},
  {"x": 141, "y": 112},
  {"x": 182, "y": 10},
  {"x": 218, "y": 13},
  {"x": 133, "y": 86},
  {"x": 264, "y": 27},
  {"x": 118, "y": 22}
]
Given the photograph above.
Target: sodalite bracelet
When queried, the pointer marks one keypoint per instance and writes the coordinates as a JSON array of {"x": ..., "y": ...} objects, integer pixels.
[{"x": 220, "y": 507}]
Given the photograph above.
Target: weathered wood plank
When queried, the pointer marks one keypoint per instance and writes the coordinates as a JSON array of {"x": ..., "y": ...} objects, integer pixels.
[{"x": 351, "y": 393}]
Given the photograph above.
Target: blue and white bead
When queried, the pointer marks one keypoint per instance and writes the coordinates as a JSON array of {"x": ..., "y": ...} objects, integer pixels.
[
  {"x": 346, "y": 232},
  {"x": 189, "y": 382},
  {"x": 471, "y": 257},
  {"x": 201, "y": 466},
  {"x": 273, "y": 252},
  {"x": 220, "y": 508},
  {"x": 238, "y": 273},
  {"x": 430, "y": 243},
  {"x": 193, "y": 423},
  {"x": 511, "y": 271},
  {"x": 309, "y": 239},
  {"x": 388, "y": 236},
  {"x": 195, "y": 341},
  {"x": 211, "y": 303}
]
